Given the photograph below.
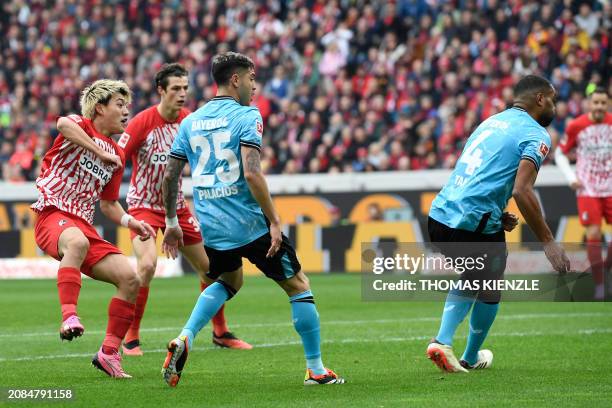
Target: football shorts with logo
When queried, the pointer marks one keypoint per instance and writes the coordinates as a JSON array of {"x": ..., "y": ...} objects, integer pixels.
[
  {"x": 591, "y": 210},
  {"x": 51, "y": 223}
]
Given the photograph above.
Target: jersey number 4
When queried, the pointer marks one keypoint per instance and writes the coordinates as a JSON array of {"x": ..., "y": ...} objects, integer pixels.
[
  {"x": 229, "y": 176},
  {"x": 472, "y": 156}
]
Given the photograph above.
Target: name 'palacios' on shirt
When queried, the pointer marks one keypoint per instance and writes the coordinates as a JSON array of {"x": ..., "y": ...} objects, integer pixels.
[{"x": 216, "y": 192}]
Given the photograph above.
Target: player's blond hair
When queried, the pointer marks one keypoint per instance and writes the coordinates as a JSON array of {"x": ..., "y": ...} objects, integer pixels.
[{"x": 102, "y": 91}]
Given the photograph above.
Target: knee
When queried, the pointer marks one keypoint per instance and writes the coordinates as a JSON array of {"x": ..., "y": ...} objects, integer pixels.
[
  {"x": 235, "y": 283},
  {"x": 206, "y": 279},
  {"x": 297, "y": 284},
  {"x": 231, "y": 288},
  {"x": 130, "y": 281},
  {"x": 201, "y": 266},
  {"x": 146, "y": 269},
  {"x": 202, "y": 269},
  {"x": 232, "y": 282},
  {"x": 78, "y": 246},
  {"x": 593, "y": 232}
]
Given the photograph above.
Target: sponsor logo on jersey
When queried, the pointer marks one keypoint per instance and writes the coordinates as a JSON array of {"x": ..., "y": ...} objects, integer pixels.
[
  {"x": 159, "y": 158},
  {"x": 259, "y": 127},
  {"x": 543, "y": 149},
  {"x": 62, "y": 222},
  {"x": 95, "y": 168},
  {"x": 123, "y": 140}
]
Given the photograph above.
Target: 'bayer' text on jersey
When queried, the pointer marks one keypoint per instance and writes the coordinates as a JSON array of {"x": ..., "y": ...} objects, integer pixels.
[
  {"x": 210, "y": 139},
  {"x": 483, "y": 178}
]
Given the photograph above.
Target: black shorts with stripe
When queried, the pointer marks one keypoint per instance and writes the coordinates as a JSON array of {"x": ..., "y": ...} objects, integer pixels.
[{"x": 280, "y": 267}]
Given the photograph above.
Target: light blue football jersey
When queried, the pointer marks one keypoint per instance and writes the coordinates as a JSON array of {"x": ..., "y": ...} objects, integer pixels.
[
  {"x": 210, "y": 139},
  {"x": 483, "y": 178}
]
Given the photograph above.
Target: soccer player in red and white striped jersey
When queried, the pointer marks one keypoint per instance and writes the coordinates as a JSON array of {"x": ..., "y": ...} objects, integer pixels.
[
  {"x": 84, "y": 166},
  {"x": 591, "y": 135},
  {"x": 147, "y": 141}
]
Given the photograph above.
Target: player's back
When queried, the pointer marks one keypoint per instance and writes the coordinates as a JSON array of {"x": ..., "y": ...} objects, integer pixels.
[
  {"x": 210, "y": 139},
  {"x": 481, "y": 183}
]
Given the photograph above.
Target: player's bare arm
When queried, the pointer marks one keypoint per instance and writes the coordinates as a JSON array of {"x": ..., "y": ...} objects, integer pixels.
[
  {"x": 259, "y": 188},
  {"x": 529, "y": 206},
  {"x": 114, "y": 212},
  {"x": 73, "y": 133},
  {"x": 173, "y": 237}
]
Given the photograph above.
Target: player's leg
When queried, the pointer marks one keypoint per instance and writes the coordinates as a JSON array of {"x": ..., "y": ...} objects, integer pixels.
[
  {"x": 211, "y": 300},
  {"x": 485, "y": 309},
  {"x": 197, "y": 258},
  {"x": 146, "y": 263},
  {"x": 285, "y": 269},
  {"x": 306, "y": 323},
  {"x": 72, "y": 249},
  {"x": 222, "y": 336},
  {"x": 482, "y": 318},
  {"x": 596, "y": 261},
  {"x": 607, "y": 204},
  {"x": 590, "y": 210},
  {"x": 114, "y": 268},
  {"x": 440, "y": 349},
  {"x": 226, "y": 267},
  {"x": 60, "y": 235},
  {"x": 457, "y": 305}
]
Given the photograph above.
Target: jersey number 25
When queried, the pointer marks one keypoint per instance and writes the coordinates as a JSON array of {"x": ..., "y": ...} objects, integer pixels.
[{"x": 203, "y": 176}]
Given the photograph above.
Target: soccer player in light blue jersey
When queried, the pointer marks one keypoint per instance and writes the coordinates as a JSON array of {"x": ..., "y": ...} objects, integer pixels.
[
  {"x": 222, "y": 142},
  {"x": 501, "y": 159}
]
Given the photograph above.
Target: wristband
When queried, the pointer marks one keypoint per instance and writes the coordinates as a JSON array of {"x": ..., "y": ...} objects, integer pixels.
[
  {"x": 172, "y": 222},
  {"x": 125, "y": 219}
]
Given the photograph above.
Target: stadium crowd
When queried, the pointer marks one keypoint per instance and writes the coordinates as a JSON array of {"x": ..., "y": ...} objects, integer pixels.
[{"x": 343, "y": 85}]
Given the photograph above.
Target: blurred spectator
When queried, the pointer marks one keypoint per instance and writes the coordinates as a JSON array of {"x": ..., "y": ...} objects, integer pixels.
[
  {"x": 342, "y": 85},
  {"x": 587, "y": 20}
]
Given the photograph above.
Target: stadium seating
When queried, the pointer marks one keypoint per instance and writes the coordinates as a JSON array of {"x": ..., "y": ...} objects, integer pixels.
[{"x": 387, "y": 85}]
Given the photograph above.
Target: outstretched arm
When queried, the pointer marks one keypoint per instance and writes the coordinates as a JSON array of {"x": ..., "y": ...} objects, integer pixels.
[
  {"x": 114, "y": 212},
  {"x": 173, "y": 237},
  {"x": 258, "y": 186},
  {"x": 529, "y": 206}
]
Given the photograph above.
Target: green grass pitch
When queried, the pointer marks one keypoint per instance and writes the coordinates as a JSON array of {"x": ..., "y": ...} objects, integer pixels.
[{"x": 546, "y": 354}]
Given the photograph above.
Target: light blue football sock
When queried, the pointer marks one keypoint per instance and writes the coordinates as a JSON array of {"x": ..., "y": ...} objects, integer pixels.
[
  {"x": 306, "y": 323},
  {"x": 483, "y": 316},
  {"x": 457, "y": 306},
  {"x": 208, "y": 304}
]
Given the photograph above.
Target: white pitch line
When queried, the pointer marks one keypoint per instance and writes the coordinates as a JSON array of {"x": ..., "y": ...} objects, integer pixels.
[
  {"x": 586, "y": 332},
  {"x": 338, "y": 322}
]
